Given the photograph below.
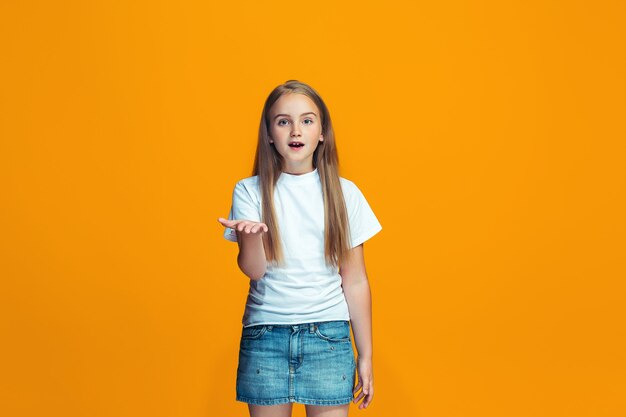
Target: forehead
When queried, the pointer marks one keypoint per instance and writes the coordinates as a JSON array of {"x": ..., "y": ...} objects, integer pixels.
[{"x": 294, "y": 104}]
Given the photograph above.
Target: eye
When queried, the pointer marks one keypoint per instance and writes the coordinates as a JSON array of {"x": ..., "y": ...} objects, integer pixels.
[
  {"x": 280, "y": 122},
  {"x": 308, "y": 121}
]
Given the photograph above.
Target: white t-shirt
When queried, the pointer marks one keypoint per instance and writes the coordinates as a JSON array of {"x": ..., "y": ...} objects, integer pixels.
[{"x": 304, "y": 289}]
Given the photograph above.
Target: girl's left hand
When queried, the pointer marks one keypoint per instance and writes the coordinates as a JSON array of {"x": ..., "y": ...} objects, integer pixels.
[
  {"x": 247, "y": 227},
  {"x": 365, "y": 383}
]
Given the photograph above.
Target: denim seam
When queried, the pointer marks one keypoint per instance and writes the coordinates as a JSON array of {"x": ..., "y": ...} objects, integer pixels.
[
  {"x": 299, "y": 400},
  {"x": 308, "y": 401},
  {"x": 275, "y": 401}
]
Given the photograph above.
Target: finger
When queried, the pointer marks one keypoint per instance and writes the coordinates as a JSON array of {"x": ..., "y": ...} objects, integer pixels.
[
  {"x": 356, "y": 389},
  {"x": 369, "y": 397},
  {"x": 361, "y": 394},
  {"x": 359, "y": 397},
  {"x": 257, "y": 228},
  {"x": 265, "y": 229},
  {"x": 364, "y": 393},
  {"x": 241, "y": 226},
  {"x": 226, "y": 222}
]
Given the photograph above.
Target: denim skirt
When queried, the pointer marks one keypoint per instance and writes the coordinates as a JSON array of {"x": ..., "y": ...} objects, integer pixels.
[{"x": 310, "y": 363}]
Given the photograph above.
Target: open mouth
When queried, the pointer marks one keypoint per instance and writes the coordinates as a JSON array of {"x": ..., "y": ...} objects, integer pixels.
[{"x": 296, "y": 144}]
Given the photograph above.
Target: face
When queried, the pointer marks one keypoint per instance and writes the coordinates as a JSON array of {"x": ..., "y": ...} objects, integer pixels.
[{"x": 295, "y": 131}]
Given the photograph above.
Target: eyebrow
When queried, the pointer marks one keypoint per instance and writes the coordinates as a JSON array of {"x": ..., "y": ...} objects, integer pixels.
[{"x": 303, "y": 114}]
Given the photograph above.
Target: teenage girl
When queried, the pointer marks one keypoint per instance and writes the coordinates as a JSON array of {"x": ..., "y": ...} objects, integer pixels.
[{"x": 300, "y": 229}]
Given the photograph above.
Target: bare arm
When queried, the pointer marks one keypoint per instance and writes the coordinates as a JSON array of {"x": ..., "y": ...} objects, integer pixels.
[
  {"x": 358, "y": 296},
  {"x": 251, "y": 257}
]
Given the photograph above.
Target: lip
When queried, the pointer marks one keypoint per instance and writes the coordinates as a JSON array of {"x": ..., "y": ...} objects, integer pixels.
[{"x": 296, "y": 148}]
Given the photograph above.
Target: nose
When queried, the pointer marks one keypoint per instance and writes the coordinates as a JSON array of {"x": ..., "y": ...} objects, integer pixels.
[{"x": 295, "y": 131}]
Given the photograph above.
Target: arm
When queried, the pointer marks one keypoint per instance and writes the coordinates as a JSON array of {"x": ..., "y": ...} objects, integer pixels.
[
  {"x": 251, "y": 257},
  {"x": 358, "y": 296}
]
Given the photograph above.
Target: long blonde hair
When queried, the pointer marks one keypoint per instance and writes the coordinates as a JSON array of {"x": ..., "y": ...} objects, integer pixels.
[{"x": 268, "y": 166}]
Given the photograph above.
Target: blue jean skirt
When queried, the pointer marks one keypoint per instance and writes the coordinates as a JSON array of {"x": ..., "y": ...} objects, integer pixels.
[{"x": 311, "y": 363}]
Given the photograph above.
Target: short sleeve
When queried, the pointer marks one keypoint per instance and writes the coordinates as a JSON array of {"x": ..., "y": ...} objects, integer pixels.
[
  {"x": 245, "y": 206},
  {"x": 363, "y": 221}
]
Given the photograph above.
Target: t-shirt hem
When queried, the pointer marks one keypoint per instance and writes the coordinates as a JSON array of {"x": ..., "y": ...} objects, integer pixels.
[
  {"x": 291, "y": 323},
  {"x": 366, "y": 236}
]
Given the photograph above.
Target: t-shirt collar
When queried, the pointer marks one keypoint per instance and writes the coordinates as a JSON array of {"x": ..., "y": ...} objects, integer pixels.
[{"x": 300, "y": 178}]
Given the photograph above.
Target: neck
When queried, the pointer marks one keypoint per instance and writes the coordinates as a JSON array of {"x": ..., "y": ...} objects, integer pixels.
[{"x": 298, "y": 169}]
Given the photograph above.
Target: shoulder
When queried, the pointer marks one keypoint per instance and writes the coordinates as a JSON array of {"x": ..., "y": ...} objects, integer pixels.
[
  {"x": 249, "y": 182},
  {"x": 349, "y": 188},
  {"x": 352, "y": 195},
  {"x": 248, "y": 187},
  {"x": 347, "y": 185}
]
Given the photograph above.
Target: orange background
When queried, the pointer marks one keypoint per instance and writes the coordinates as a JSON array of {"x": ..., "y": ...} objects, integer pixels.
[{"x": 488, "y": 137}]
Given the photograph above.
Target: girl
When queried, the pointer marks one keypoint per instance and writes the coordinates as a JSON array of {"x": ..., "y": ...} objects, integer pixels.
[{"x": 300, "y": 229}]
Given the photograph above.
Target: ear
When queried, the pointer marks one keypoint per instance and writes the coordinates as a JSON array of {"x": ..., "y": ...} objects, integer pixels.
[
  {"x": 321, "y": 138},
  {"x": 271, "y": 140}
]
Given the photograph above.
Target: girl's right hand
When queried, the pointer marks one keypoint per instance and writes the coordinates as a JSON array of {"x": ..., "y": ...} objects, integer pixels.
[{"x": 246, "y": 227}]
